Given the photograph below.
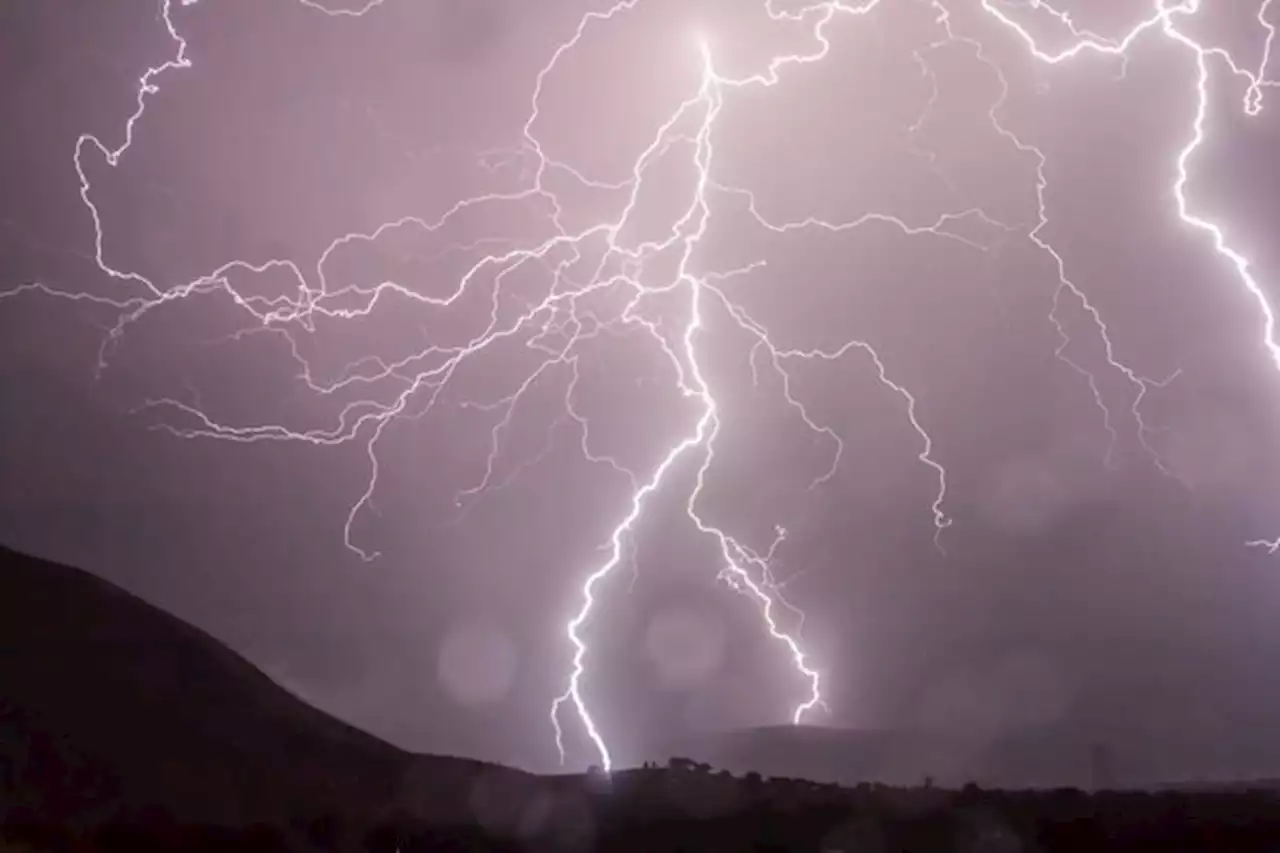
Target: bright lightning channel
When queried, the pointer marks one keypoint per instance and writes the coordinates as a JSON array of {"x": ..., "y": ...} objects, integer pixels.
[
  {"x": 1163, "y": 20},
  {"x": 559, "y": 325}
]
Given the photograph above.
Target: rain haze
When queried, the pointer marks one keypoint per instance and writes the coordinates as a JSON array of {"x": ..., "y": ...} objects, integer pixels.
[{"x": 359, "y": 354}]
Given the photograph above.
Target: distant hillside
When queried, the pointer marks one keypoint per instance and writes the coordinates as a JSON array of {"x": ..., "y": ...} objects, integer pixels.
[
  {"x": 1045, "y": 757},
  {"x": 850, "y": 756},
  {"x": 107, "y": 701}
]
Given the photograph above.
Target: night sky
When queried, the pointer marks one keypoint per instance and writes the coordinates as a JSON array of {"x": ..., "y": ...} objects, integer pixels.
[{"x": 207, "y": 415}]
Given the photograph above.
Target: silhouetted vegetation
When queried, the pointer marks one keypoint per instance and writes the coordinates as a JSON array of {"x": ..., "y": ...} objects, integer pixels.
[{"x": 689, "y": 807}]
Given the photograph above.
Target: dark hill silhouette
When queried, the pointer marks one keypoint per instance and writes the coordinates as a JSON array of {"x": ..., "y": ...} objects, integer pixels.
[
  {"x": 108, "y": 703},
  {"x": 116, "y": 718}
]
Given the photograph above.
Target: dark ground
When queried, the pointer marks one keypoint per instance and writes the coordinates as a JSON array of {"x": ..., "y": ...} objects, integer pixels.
[{"x": 123, "y": 728}]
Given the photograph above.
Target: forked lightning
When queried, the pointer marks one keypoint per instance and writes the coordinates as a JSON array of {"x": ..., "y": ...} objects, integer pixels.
[{"x": 556, "y": 327}]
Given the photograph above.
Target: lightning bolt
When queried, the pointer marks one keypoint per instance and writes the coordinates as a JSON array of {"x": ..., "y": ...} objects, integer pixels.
[
  {"x": 589, "y": 265},
  {"x": 1163, "y": 20}
]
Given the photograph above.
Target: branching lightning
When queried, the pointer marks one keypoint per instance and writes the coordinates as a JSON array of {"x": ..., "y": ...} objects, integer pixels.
[{"x": 555, "y": 328}]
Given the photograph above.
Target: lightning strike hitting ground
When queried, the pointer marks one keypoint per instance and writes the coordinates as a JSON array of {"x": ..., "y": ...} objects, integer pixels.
[{"x": 557, "y": 326}]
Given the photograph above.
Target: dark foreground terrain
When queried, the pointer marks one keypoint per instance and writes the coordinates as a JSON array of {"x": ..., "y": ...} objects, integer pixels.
[
  {"x": 124, "y": 729},
  {"x": 673, "y": 809}
]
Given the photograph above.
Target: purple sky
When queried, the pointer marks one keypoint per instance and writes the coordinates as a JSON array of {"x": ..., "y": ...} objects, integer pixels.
[{"x": 1094, "y": 575}]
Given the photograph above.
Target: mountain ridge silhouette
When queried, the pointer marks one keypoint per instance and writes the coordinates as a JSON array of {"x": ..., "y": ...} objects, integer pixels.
[{"x": 108, "y": 703}]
